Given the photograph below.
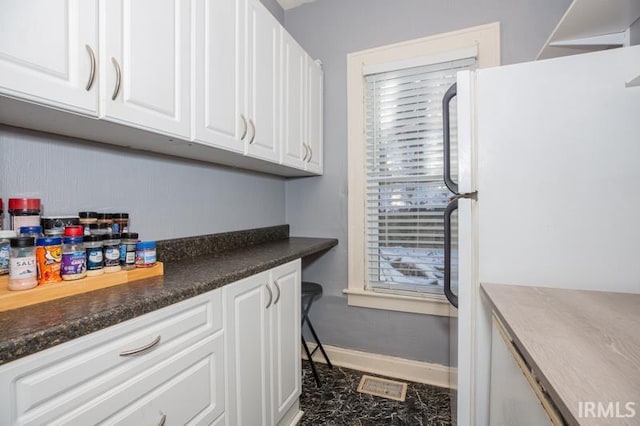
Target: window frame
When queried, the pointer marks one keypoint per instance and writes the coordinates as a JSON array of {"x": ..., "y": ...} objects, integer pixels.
[{"x": 486, "y": 39}]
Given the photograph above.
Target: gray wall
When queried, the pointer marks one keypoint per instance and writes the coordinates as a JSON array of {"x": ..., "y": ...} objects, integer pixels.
[
  {"x": 275, "y": 9},
  {"x": 328, "y": 30},
  {"x": 166, "y": 197}
]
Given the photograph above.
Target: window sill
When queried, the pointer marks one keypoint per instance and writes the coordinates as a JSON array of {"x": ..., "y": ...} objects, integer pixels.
[{"x": 433, "y": 305}]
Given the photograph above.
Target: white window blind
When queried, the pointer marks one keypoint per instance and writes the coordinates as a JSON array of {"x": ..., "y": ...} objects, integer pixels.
[{"x": 405, "y": 192}]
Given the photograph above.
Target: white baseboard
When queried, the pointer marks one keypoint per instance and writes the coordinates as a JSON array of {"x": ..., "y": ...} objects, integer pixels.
[{"x": 384, "y": 365}]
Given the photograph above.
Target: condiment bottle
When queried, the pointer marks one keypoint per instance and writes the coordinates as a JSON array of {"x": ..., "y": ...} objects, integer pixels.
[
  {"x": 86, "y": 219},
  {"x": 5, "y": 250},
  {"x": 95, "y": 258},
  {"x": 31, "y": 231},
  {"x": 145, "y": 254},
  {"x": 1, "y": 215},
  {"x": 120, "y": 222},
  {"x": 22, "y": 264},
  {"x": 74, "y": 259},
  {"x": 106, "y": 218},
  {"x": 128, "y": 250},
  {"x": 49, "y": 259},
  {"x": 24, "y": 212},
  {"x": 111, "y": 249}
]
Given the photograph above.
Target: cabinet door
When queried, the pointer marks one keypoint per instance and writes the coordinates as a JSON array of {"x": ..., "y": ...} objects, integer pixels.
[
  {"x": 262, "y": 82},
  {"x": 146, "y": 64},
  {"x": 293, "y": 116},
  {"x": 48, "y": 52},
  {"x": 247, "y": 351},
  {"x": 285, "y": 337},
  {"x": 315, "y": 117},
  {"x": 219, "y": 68},
  {"x": 513, "y": 400}
]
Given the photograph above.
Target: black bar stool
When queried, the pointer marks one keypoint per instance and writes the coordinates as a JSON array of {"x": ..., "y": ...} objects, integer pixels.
[{"x": 309, "y": 292}]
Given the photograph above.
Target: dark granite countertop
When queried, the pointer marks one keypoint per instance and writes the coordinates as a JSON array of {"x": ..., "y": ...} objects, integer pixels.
[{"x": 34, "y": 328}]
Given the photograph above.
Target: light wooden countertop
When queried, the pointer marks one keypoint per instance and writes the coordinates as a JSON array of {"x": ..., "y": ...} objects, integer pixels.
[{"x": 583, "y": 346}]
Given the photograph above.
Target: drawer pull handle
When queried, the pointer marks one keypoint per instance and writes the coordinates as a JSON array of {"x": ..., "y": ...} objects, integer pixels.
[
  {"x": 116, "y": 89},
  {"x": 306, "y": 152},
  {"x": 92, "y": 74},
  {"x": 270, "y": 295},
  {"x": 278, "y": 288},
  {"x": 253, "y": 131},
  {"x": 163, "y": 419},
  {"x": 142, "y": 348},
  {"x": 310, "y": 153}
]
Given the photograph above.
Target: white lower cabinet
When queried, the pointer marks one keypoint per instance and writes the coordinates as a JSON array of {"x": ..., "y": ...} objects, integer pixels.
[
  {"x": 516, "y": 398},
  {"x": 227, "y": 357},
  {"x": 262, "y": 322}
]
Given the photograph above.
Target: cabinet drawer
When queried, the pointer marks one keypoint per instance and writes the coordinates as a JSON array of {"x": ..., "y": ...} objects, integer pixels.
[
  {"x": 185, "y": 389},
  {"x": 56, "y": 381}
]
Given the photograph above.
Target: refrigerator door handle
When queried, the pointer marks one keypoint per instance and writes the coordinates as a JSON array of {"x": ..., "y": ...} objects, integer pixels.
[
  {"x": 451, "y": 296},
  {"x": 446, "y": 137}
]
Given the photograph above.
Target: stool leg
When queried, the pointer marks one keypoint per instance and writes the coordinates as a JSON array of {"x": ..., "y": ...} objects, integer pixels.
[
  {"x": 315, "y": 336},
  {"x": 313, "y": 366}
]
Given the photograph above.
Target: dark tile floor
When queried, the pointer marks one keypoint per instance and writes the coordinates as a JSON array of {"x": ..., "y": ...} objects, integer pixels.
[{"x": 338, "y": 402}]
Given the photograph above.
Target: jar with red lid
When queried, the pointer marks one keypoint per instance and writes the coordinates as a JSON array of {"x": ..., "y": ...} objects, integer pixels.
[
  {"x": 74, "y": 231},
  {"x": 24, "y": 212}
]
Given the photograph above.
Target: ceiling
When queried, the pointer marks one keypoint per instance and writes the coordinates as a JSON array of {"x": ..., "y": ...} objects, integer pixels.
[{"x": 290, "y": 4}]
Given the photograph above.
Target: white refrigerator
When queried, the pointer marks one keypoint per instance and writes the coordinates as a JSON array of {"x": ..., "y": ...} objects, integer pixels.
[{"x": 553, "y": 150}]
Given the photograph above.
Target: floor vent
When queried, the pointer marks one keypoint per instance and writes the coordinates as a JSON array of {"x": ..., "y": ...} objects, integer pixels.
[{"x": 382, "y": 387}]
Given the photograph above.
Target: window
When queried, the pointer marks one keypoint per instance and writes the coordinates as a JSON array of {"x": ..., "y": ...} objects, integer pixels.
[{"x": 396, "y": 192}]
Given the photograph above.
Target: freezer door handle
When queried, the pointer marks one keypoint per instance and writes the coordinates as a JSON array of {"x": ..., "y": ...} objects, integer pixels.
[
  {"x": 446, "y": 137},
  {"x": 451, "y": 296}
]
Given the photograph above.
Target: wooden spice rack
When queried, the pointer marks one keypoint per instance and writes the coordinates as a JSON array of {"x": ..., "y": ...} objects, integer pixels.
[{"x": 43, "y": 293}]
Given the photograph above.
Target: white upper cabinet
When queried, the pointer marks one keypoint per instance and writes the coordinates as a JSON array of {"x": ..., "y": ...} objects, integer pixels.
[
  {"x": 302, "y": 102},
  {"x": 314, "y": 117},
  {"x": 294, "y": 87},
  {"x": 262, "y": 78},
  {"x": 146, "y": 64},
  {"x": 49, "y": 52},
  {"x": 219, "y": 73}
]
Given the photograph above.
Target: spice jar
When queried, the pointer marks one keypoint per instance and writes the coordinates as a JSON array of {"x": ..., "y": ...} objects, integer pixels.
[
  {"x": 22, "y": 264},
  {"x": 128, "y": 243},
  {"x": 5, "y": 250},
  {"x": 31, "y": 231},
  {"x": 106, "y": 218},
  {"x": 120, "y": 222},
  {"x": 54, "y": 225},
  {"x": 95, "y": 259},
  {"x": 24, "y": 212},
  {"x": 49, "y": 259},
  {"x": 99, "y": 229},
  {"x": 1, "y": 215},
  {"x": 74, "y": 259},
  {"x": 111, "y": 250},
  {"x": 86, "y": 219},
  {"x": 145, "y": 254}
]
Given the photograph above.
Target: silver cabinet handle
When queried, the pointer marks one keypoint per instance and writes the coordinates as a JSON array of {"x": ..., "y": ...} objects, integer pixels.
[
  {"x": 142, "y": 348},
  {"x": 118, "y": 79},
  {"x": 92, "y": 73},
  {"x": 270, "y": 295},
  {"x": 253, "y": 130},
  {"x": 306, "y": 152},
  {"x": 163, "y": 419},
  {"x": 244, "y": 121},
  {"x": 275, "y": 282},
  {"x": 310, "y": 153}
]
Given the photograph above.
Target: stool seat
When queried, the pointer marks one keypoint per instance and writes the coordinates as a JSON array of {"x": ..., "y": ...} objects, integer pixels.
[
  {"x": 309, "y": 291},
  {"x": 309, "y": 288}
]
